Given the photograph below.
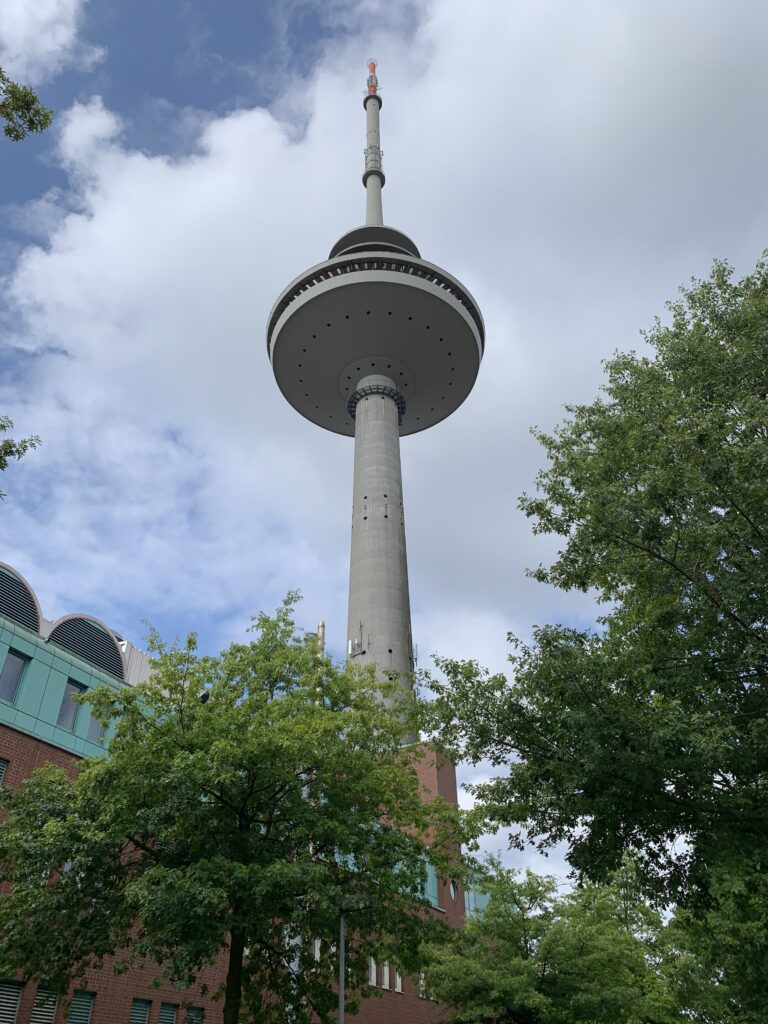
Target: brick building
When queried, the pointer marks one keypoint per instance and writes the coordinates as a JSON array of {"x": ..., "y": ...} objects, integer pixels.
[{"x": 42, "y": 664}]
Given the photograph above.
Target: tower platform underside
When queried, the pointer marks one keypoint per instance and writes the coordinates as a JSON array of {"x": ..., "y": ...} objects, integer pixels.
[{"x": 399, "y": 316}]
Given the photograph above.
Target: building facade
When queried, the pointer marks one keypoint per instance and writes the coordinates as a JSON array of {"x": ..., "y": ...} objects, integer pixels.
[{"x": 42, "y": 664}]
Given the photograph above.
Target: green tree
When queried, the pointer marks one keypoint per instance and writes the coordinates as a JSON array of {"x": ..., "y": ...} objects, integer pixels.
[
  {"x": 649, "y": 732},
  {"x": 232, "y": 825},
  {"x": 10, "y": 448},
  {"x": 596, "y": 955},
  {"x": 21, "y": 110}
]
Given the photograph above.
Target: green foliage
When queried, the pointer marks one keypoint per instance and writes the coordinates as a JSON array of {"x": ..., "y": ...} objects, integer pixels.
[
  {"x": 650, "y": 732},
  {"x": 21, "y": 110},
  {"x": 12, "y": 449},
  {"x": 236, "y": 823},
  {"x": 596, "y": 955}
]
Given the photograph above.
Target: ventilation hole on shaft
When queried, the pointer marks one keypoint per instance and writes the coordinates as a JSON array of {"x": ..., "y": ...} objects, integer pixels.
[
  {"x": 389, "y": 649},
  {"x": 346, "y": 316},
  {"x": 327, "y": 325},
  {"x": 410, "y": 318},
  {"x": 367, "y": 312},
  {"x": 389, "y": 313}
]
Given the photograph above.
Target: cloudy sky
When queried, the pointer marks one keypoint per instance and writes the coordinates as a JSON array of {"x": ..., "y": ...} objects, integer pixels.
[{"x": 571, "y": 163}]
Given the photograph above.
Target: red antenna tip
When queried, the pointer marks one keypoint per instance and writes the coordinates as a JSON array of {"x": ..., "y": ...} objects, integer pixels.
[{"x": 373, "y": 82}]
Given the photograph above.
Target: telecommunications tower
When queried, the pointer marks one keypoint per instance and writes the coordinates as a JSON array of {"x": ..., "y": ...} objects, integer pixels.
[{"x": 376, "y": 343}]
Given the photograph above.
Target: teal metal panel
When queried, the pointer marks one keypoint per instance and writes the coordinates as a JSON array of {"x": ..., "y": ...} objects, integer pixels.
[
  {"x": 23, "y": 646},
  {"x": 25, "y": 722},
  {"x": 62, "y": 664},
  {"x": 44, "y": 730},
  {"x": 32, "y": 687}
]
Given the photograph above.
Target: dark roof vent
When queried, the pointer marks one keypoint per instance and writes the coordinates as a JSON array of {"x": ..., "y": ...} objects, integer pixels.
[
  {"x": 89, "y": 641},
  {"x": 17, "y": 602}
]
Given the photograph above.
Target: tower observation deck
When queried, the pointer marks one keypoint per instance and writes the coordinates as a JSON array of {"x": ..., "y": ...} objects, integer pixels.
[{"x": 376, "y": 343}]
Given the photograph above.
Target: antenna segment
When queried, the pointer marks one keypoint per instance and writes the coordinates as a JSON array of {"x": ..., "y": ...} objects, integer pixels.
[{"x": 373, "y": 176}]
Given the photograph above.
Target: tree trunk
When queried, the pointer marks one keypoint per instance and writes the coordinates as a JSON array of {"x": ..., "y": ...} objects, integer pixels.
[{"x": 234, "y": 986}]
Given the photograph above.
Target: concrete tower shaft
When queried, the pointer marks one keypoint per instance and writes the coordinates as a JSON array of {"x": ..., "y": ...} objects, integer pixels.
[{"x": 379, "y": 620}]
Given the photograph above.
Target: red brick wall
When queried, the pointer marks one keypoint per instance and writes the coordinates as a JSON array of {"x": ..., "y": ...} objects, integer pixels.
[{"x": 115, "y": 993}]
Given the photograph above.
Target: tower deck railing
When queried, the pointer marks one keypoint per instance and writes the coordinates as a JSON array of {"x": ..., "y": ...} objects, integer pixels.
[{"x": 338, "y": 267}]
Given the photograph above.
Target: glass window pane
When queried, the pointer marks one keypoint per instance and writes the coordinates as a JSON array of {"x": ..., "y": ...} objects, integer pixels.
[
  {"x": 68, "y": 709},
  {"x": 95, "y": 730},
  {"x": 10, "y": 676}
]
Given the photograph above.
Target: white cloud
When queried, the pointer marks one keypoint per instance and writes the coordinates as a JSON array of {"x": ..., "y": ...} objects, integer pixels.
[
  {"x": 39, "y": 38},
  {"x": 571, "y": 167}
]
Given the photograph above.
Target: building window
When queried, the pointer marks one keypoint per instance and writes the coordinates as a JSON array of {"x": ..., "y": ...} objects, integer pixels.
[
  {"x": 82, "y": 1007},
  {"x": 44, "y": 1010},
  {"x": 3, "y": 768},
  {"x": 316, "y": 948},
  {"x": 169, "y": 1013},
  {"x": 10, "y": 677},
  {"x": 385, "y": 975},
  {"x": 430, "y": 888},
  {"x": 10, "y": 994},
  {"x": 371, "y": 971},
  {"x": 194, "y": 1015},
  {"x": 95, "y": 730},
  {"x": 422, "y": 986},
  {"x": 68, "y": 710},
  {"x": 140, "y": 1011},
  {"x": 454, "y": 891},
  {"x": 398, "y": 981}
]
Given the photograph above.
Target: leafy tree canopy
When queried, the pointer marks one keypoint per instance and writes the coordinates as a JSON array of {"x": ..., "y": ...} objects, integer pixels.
[
  {"x": 234, "y": 823},
  {"x": 21, "y": 110},
  {"x": 10, "y": 448},
  {"x": 596, "y": 955},
  {"x": 649, "y": 732}
]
